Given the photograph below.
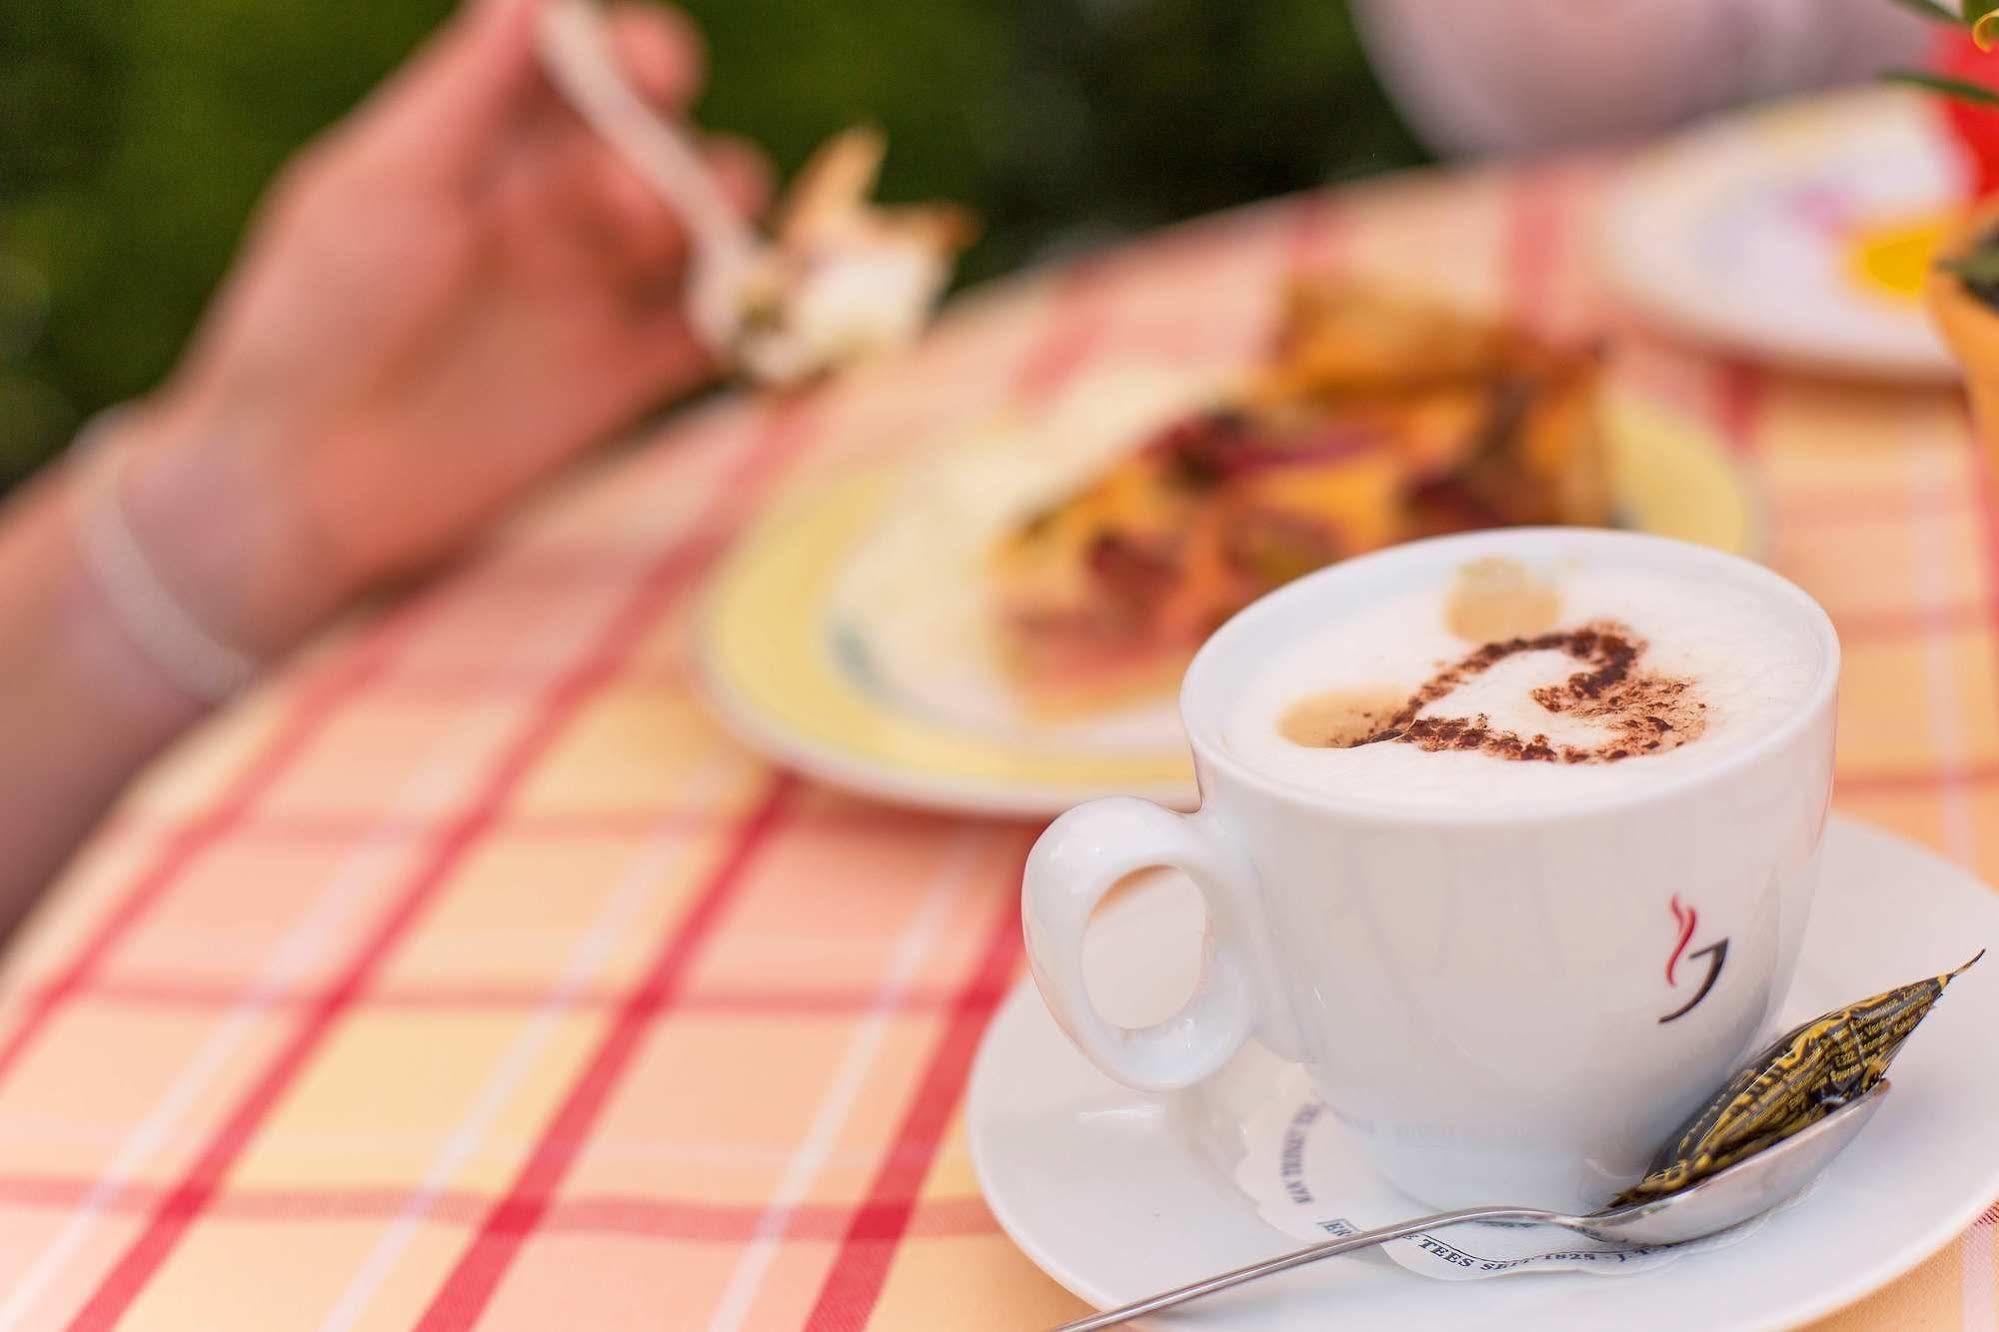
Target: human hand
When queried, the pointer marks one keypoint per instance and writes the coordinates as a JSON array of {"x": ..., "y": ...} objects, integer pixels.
[{"x": 455, "y": 291}]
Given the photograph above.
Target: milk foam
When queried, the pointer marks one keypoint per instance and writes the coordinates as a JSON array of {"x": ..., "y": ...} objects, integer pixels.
[{"x": 1751, "y": 659}]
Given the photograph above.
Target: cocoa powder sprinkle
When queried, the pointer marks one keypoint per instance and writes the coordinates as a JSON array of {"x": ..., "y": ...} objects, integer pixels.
[{"x": 1643, "y": 712}]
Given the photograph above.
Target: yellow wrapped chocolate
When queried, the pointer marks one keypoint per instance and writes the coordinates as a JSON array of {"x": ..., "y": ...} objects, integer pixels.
[{"x": 1803, "y": 1076}]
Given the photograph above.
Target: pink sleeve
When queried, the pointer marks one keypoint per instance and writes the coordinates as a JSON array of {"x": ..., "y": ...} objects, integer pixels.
[{"x": 1477, "y": 77}]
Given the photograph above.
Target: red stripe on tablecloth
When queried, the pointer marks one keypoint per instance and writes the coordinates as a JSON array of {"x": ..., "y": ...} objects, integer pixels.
[
  {"x": 715, "y": 1222},
  {"x": 1796, "y": 508},
  {"x": 649, "y": 600},
  {"x": 1740, "y": 394},
  {"x": 656, "y": 1218},
  {"x": 854, "y": 1282},
  {"x": 1880, "y": 782},
  {"x": 341, "y": 827},
  {"x": 451, "y": 688},
  {"x": 502, "y": 679},
  {"x": 561, "y": 560},
  {"x": 1316, "y": 241},
  {"x": 223, "y": 991},
  {"x": 1079, "y": 324},
  {"x": 463, "y": 1296},
  {"x": 1910, "y": 622},
  {"x": 624, "y": 823},
  {"x": 1536, "y": 244},
  {"x": 1985, "y": 487},
  {"x": 315, "y": 707}
]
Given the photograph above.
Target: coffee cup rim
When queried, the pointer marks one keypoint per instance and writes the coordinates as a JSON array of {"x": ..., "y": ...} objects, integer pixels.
[{"x": 1204, "y": 726}]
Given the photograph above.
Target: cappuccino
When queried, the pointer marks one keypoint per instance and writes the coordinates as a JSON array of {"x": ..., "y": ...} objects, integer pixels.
[{"x": 1499, "y": 683}]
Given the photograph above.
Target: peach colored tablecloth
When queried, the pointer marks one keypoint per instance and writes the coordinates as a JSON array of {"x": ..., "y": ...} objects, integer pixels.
[{"x": 468, "y": 975}]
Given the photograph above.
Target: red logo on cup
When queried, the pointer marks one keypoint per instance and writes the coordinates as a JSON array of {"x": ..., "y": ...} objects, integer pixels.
[{"x": 1686, "y": 920}]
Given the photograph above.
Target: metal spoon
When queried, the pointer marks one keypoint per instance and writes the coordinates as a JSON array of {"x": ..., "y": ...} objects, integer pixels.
[{"x": 1744, "y": 1190}]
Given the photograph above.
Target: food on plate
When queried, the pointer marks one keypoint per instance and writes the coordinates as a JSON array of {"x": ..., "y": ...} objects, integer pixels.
[{"x": 1375, "y": 417}]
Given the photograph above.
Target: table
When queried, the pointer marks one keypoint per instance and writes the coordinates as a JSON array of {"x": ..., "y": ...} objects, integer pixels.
[{"x": 468, "y": 975}]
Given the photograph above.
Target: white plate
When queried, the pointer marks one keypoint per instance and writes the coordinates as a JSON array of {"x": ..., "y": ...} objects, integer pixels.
[
  {"x": 1796, "y": 233},
  {"x": 1117, "y": 1194}
]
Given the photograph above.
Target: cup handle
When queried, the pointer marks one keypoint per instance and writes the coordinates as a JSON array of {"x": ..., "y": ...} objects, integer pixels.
[{"x": 1081, "y": 857}]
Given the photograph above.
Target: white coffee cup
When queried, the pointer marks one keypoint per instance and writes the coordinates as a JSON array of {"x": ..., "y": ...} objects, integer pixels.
[{"x": 1479, "y": 996}]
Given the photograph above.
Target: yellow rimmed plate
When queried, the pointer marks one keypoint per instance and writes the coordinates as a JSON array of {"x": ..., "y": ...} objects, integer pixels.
[{"x": 845, "y": 636}]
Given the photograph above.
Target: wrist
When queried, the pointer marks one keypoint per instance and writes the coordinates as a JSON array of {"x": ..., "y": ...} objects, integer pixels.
[{"x": 224, "y": 529}]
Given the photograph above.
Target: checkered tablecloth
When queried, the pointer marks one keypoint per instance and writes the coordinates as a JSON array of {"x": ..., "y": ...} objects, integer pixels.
[{"x": 468, "y": 975}]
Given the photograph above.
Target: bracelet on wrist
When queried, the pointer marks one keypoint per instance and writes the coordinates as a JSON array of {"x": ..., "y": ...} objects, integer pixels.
[{"x": 192, "y": 657}]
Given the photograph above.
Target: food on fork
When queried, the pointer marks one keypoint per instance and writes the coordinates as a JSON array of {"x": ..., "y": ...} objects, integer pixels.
[
  {"x": 844, "y": 278},
  {"x": 1375, "y": 417}
]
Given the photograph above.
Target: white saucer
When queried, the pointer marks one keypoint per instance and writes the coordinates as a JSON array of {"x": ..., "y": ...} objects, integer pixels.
[{"x": 1117, "y": 1194}]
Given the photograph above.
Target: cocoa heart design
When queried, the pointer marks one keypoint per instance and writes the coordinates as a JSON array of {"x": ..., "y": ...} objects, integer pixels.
[{"x": 1643, "y": 712}]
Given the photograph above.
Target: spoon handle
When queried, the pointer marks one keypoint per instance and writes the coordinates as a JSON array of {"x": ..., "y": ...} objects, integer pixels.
[
  {"x": 1311, "y": 1253},
  {"x": 577, "y": 53}
]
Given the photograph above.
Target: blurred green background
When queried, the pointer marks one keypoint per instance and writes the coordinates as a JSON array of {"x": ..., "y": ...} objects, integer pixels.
[{"x": 135, "y": 136}]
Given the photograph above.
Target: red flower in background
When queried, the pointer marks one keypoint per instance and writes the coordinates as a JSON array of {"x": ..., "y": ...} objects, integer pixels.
[{"x": 1973, "y": 125}]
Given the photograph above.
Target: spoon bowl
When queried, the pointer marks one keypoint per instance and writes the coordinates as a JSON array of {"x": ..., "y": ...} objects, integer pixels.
[
  {"x": 1727, "y": 1198},
  {"x": 1746, "y": 1189}
]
